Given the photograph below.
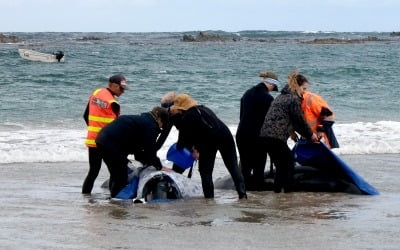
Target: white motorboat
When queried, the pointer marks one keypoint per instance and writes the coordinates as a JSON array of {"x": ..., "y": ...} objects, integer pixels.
[{"x": 42, "y": 57}]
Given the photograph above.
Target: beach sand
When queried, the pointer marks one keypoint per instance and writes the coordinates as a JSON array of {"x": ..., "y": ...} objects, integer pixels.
[{"x": 42, "y": 208}]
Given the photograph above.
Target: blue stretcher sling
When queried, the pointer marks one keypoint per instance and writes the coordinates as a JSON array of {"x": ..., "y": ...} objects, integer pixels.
[
  {"x": 130, "y": 190},
  {"x": 318, "y": 155}
]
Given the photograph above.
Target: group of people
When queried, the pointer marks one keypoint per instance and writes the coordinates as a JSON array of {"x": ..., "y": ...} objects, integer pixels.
[
  {"x": 266, "y": 124},
  {"x": 264, "y": 128}
]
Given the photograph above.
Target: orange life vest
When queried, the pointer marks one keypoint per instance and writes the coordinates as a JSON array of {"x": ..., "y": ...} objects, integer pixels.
[
  {"x": 312, "y": 105},
  {"x": 100, "y": 114}
]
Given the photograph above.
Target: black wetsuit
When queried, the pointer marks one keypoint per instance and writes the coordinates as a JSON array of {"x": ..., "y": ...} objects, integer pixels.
[
  {"x": 200, "y": 128},
  {"x": 128, "y": 134},
  {"x": 254, "y": 105}
]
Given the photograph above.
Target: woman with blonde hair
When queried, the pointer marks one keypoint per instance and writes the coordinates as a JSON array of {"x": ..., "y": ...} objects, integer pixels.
[
  {"x": 205, "y": 134},
  {"x": 284, "y": 118}
]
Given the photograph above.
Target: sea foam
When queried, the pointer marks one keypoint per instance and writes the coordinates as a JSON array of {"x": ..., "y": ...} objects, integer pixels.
[{"x": 21, "y": 144}]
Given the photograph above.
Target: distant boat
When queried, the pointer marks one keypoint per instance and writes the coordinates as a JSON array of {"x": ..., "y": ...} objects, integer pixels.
[{"x": 42, "y": 57}]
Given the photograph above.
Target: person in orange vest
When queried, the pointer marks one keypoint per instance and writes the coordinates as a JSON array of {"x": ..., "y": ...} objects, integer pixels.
[
  {"x": 319, "y": 117},
  {"x": 102, "y": 109}
]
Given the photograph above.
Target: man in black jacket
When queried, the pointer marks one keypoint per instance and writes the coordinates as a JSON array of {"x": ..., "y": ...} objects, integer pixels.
[
  {"x": 254, "y": 105},
  {"x": 130, "y": 134}
]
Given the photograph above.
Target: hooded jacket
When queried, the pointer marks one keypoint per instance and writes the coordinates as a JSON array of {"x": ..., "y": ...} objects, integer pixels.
[{"x": 285, "y": 116}]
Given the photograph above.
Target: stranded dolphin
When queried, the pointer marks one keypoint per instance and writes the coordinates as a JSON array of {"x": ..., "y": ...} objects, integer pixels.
[
  {"x": 318, "y": 169},
  {"x": 146, "y": 184}
]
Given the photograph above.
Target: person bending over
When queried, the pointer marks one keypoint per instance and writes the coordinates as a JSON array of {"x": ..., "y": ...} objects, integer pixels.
[
  {"x": 319, "y": 116},
  {"x": 284, "y": 118},
  {"x": 130, "y": 134},
  {"x": 204, "y": 133}
]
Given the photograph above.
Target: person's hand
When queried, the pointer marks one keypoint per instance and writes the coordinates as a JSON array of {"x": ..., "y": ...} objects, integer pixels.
[
  {"x": 314, "y": 138},
  {"x": 195, "y": 154},
  {"x": 320, "y": 135},
  {"x": 294, "y": 137},
  {"x": 166, "y": 169}
]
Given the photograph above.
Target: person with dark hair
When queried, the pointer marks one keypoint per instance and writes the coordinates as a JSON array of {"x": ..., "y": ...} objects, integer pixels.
[
  {"x": 101, "y": 109},
  {"x": 254, "y": 105},
  {"x": 166, "y": 102},
  {"x": 201, "y": 131},
  {"x": 284, "y": 118},
  {"x": 131, "y": 134}
]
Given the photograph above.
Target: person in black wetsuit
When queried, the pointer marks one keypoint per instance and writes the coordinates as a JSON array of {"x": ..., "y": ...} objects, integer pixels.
[
  {"x": 254, "y": 105},
  {"x": 130, "y": 134},
  {"x": 201, "y": 131}
]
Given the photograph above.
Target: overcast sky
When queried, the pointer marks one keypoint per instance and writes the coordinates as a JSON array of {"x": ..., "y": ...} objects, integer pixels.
[{"x": 194, "y": 15}]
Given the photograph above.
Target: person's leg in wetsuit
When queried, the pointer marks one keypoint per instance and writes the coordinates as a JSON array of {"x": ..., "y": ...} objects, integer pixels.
[
  {"x": 95, "y": 160},
  {"x": 206, "y": 166},
  {"x": 226, "y": 147},
  {"x": 246, "y": 164},
  {"x": 117, "y": 166},
  {"x": 259, "y": 160}
]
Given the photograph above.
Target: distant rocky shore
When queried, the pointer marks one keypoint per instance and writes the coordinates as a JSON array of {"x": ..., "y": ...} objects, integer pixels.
[
  {"x": 89, "y": 38},
  {"x": 210, "y": 37},
  {"x": 222, "y": 36},
  {"x": 395, "y": 33},
  {"x": 9, "y": 39},
  {"x": 226, "y": 37},
  {"x": 344, "y": 40}
]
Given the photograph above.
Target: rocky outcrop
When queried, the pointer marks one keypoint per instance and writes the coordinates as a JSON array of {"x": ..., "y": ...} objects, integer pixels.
[
  {"x": 89, "y": 38},
  {"x": 9, "y": 39},
  {"x": 343, "y": 41},
  {"x": 209, "y": 37}
]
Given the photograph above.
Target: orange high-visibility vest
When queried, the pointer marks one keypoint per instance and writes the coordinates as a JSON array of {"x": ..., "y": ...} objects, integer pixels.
[
  {"x": 312, "y": 105},
  {"x": 100, "y": 114}
]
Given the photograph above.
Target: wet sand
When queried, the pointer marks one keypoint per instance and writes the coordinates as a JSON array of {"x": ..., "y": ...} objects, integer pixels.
[{"x": 42, "y": 208}]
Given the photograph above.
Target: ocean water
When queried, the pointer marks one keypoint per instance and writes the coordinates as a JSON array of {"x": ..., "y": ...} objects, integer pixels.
[
  {"x": 43, "y": 159},
  {"x": 42, "y": 104}
]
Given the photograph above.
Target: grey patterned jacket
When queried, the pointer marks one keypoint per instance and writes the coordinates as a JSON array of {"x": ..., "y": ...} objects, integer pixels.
[{"x": 285, "y": 115}]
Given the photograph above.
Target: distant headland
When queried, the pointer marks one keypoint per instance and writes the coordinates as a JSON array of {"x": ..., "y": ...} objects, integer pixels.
[{"x": 261, "y": 36}]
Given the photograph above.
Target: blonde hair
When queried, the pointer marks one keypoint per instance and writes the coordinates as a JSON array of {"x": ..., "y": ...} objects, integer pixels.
[
  {"x": 296, "y": 80},
  {"x": 183, "y": 102}
]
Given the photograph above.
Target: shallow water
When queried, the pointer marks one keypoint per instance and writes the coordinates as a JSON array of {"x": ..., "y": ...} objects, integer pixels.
[{"x": 42, "y": 208}]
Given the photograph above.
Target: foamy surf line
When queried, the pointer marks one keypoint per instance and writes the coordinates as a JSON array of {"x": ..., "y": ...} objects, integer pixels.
[{"x": 66, "y": 145}]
